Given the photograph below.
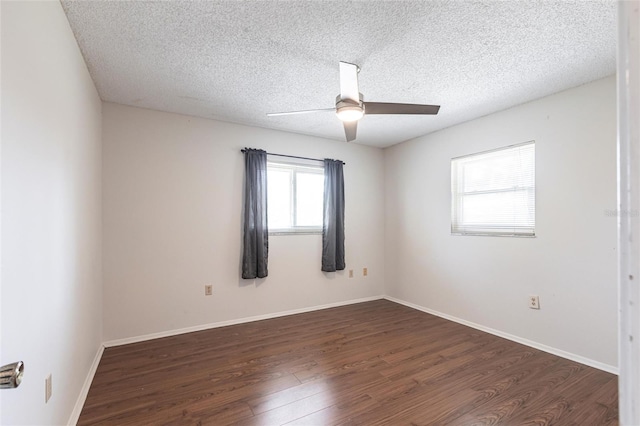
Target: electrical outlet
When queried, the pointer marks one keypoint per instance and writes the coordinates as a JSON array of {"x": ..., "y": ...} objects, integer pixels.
[
  {"x": 48, "y": 389},
  {"x": 350, "y": 273},
  {"x": 365, "y": 272},
  {"x": 534, "y": 302},
  {"x": 208, "y": 290}
]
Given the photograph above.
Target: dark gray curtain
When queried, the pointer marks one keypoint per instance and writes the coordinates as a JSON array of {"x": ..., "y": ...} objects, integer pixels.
[
  {"x": 255, "y": 250},
  {"x": 333, "y": 226}
]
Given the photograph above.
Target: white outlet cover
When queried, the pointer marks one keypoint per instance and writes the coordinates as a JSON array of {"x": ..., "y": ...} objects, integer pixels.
[{"x": 534, "y": 302}]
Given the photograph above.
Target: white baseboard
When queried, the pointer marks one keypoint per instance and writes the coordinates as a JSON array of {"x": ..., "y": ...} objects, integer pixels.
[
  {"x": 136, "y": 339},
  {"x": 77, "y": 409},
  {"x": 563, "y": 354}
]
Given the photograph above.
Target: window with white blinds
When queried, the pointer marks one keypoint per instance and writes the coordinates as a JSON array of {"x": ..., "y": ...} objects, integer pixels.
[{"x": 494, "y": 192}]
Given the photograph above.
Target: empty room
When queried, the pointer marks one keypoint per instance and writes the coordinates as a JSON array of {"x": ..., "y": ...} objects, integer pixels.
[{"x": 318, "y": 213}]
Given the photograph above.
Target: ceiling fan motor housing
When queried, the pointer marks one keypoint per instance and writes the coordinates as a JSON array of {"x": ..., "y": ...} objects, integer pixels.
[{"x": 348, "y": 109}]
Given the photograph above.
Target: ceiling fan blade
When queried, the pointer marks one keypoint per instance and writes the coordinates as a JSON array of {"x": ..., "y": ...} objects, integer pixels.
[
  {"x": 307, "y": 111},
  {"x": 391, "y": 108},
  {"x": 349, "y": 82},
  {"x": 350, "y": 128}
]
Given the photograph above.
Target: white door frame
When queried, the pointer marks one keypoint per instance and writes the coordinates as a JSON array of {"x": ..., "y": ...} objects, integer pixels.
[{"x": 629, "y": 210}]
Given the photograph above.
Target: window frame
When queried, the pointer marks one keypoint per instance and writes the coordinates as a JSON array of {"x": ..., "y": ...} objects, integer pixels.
[
  {"x": 295, "y": 167},
  {"x": 489, "y": 231}
]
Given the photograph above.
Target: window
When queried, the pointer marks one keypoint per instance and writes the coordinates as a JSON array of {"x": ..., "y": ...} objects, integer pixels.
[
  {"x": 493, "y": 192},
  {"x": 295, "y": 194}
]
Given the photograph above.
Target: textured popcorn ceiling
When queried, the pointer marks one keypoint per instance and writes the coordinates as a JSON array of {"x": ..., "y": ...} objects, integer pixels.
[{"x": 237, "y": 60}]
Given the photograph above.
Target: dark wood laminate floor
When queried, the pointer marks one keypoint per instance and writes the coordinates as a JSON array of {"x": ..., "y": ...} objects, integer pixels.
[{"x": 374, "y": 363}]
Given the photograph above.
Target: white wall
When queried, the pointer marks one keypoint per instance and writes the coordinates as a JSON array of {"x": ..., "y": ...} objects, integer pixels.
[
  {"x": 51, "y": 213},
  {"x": 172, "y": 223},
  {"x": 571, "y": 264}
]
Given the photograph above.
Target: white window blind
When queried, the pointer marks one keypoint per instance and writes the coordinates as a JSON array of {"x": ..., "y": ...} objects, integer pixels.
[{"x": 493, "y": 193}]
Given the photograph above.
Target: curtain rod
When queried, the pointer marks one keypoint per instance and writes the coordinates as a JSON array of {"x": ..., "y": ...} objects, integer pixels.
[{"x": 293, "y": 156}]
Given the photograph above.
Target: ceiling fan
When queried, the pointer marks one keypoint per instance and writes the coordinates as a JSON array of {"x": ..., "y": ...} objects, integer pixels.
[{"x": 350, "y": 106}]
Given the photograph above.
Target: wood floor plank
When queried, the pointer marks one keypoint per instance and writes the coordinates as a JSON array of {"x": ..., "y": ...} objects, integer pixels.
[
  {"x": 529, "y": 396},
  {"x": 338, "y": 413},
  {"x": 287, "y": 396},
  {"x": 373, "y": 363},
  {"x": 601, "y": 408},
  {"x": 293, "y": 410}
]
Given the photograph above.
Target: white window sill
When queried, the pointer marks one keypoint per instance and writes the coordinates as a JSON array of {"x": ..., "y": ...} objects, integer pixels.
[
  {"x": 296, "y": 232},
  {"x": 480, "y": 234}
]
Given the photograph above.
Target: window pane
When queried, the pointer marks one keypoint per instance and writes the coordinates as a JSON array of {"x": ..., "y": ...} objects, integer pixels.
[
  {"x": 309, "y": 197},
  {"x": 279, "y": 198},
  {"x": 295, "y": 194}
]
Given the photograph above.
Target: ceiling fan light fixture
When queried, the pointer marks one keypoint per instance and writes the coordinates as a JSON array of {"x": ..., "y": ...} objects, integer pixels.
[
  {"x": 350, "y": 113},
  {"x": 350, "y": 105}
]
